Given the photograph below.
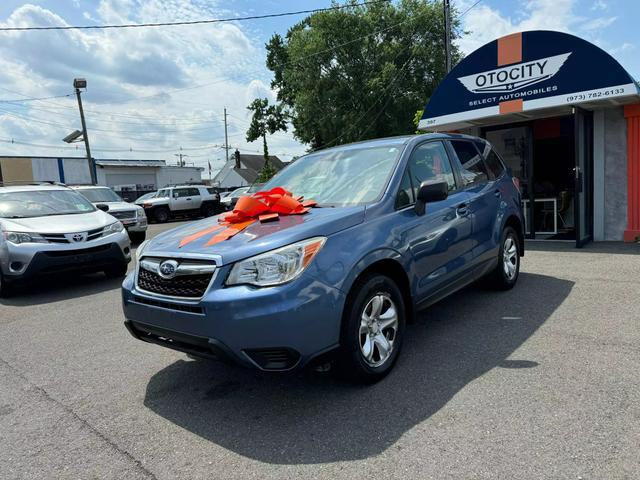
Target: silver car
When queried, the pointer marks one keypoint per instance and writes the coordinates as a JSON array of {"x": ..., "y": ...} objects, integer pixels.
[
  {"x": 132, "y": 216},
  {"x": 49, "y": 229}
]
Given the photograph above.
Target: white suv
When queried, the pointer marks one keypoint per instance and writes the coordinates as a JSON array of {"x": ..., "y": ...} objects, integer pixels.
[
  {"x": 181, "y": 201},
  {"x": 132, "y": 216},
  {"x": 49, "y": 229}
]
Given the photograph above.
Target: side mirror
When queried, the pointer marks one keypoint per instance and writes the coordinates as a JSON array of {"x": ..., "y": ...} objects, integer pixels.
[
  {"x": 102, "y": 206},
  {"x": 430, "y": 191}
]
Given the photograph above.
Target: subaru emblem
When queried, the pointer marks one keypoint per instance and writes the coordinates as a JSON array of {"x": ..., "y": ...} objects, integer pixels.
[{"x": 168, "y": 269}]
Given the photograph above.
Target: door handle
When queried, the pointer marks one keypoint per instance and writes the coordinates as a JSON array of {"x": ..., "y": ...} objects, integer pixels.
[
  {"x": 188, "y": 199},
  {"x": 497, "y": 193},
  {"x": 462, "y": 210}
]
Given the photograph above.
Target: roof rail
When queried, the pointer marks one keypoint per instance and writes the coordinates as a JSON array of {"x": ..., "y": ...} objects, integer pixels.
[{"x": 31, "y": 182}]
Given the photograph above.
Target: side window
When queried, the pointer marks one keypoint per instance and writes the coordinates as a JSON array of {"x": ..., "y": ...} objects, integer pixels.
[
  {"x": 429, "y": 161},
  {"x": 473, "y": 168},
  {"x": 494, "y": 164},
  {"x": 180, "y": 192},
  {"x": 192, "y": 192},
  {"x": 405, "y": 193}
]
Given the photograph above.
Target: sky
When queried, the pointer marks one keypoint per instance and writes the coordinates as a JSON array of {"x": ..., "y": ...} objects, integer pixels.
[{"x": 157, "y": 92}]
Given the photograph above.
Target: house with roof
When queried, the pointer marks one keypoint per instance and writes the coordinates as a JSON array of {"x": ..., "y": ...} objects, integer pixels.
[{"x": 243, "y": 170}]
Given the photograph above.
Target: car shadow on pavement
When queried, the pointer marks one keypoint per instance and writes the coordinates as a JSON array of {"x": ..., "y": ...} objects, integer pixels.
[
  {"x": 59, "y": 288},
  {"x": 312, "y": 418}
]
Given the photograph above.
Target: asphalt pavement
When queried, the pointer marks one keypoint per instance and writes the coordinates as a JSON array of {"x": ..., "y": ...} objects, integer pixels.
[{"x": 537, "y": 383}]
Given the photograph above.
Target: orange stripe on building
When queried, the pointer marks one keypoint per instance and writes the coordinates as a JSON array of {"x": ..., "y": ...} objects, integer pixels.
[
  {"x": 632, "y": 114},
  {"x": 510, "y": 49},
  {"x": 511, "y": 106}
]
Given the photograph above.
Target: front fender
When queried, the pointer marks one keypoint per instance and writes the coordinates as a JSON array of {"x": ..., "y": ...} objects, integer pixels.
[{"x": 369, "y": 259}]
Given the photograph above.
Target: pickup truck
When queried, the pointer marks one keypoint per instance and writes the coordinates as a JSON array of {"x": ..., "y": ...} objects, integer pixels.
[{"x": 182, "y": 201}]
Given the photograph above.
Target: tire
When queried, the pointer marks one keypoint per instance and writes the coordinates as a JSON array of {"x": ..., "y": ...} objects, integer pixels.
[
  {"x": 4, "y": 287},
  {"x": 504, "y": 277},
  {"x": 116, "y": 271},
  {"x": 137, "y": 237},
  {"x": 362, "y": 341},
  {"x": 208, "y": 210},
  {"x": 161, "y": 214}
]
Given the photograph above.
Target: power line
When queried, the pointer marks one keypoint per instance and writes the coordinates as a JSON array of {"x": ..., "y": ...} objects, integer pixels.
[
  {"x": 467, "y": 10},
  {"x": 191, "y": 22},
  {"x": 30, "y": 99}
]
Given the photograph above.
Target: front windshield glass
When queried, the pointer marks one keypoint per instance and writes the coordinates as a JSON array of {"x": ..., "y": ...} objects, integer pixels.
[
  {"x": 339, "y": 177},
  {"x": 43, "y": 203},
  {"x": 162, "y": 193},
  {"x": 238, "y": 191},
  {"x": 97, "y": 195},
  {"x": 256, "y": 187}
]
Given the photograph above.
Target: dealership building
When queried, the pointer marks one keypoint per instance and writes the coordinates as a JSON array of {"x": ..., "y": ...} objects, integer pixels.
[{"x": 565, "y": 117}]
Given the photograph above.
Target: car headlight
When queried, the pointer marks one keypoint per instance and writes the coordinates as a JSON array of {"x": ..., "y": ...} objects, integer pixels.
[
  {"x": 21, "y": 237},
  {"x": 140, "y": 249},
  {"x": 115, "y": 227},
  {"x": 277, "y": 266},
  {"x": 140, "y": 213}
]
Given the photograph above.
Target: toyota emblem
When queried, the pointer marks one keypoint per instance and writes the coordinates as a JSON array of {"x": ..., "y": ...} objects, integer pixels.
[
  {"x": 77, "y": 237},
  {"x": 168, "y": 269}
]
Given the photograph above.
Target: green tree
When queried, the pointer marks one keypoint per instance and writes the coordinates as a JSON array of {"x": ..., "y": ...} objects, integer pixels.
[
  {"x": 266, "y": 119},
  {"x": 361, "y": 72}
]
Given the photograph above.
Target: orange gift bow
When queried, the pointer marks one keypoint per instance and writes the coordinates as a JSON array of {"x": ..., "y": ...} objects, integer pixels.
[{"x": 265, "y": 206}]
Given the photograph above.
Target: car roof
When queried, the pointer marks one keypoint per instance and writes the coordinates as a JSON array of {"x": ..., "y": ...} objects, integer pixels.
[
  {"x": 87, "y": 187},
  {"x": 8, "y": 188},
  {"x": 401, "y": 140}
]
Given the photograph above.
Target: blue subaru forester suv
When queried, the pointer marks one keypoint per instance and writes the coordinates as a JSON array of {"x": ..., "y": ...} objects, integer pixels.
[{"x": 399, "y": 224}]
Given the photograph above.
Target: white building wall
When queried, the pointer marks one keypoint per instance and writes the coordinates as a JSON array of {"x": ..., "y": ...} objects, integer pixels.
[
  {"x": 45, "y": 169},
  {"x": 178, "y": 175},
  {"x": 232, "y": 179}
]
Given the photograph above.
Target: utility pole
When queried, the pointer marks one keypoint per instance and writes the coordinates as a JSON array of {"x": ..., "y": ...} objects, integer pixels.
[
  {"x": 447, "y": 34},
  {"x": 180, "y": 157},
  {"x": 226, "y": 137},
  {"x": 79, "y": 83}
]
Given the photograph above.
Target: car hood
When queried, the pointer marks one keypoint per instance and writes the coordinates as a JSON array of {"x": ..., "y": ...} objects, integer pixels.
[
  {"x": 118, "y": 206},
  {"x": 257, "y": 237},
  {"x": 81, "y": 222}
]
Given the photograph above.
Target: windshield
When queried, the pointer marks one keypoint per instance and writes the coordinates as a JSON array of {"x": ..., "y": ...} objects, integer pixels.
[
  {"x": 238, "y": 191},
  {"x": 42, "y": 203},
  {"x": 97, "y": 195},
  {"x": 164, "y": 192},
  {"x": 256, "y": 187},
  {"x": 339, "y": 177},
  {"x": 147, "y": 196}
]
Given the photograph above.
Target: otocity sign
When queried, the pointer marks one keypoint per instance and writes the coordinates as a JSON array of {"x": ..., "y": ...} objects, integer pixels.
[
  {"x": 514, "y": 77},
  {"x": 522, "y": 72}
]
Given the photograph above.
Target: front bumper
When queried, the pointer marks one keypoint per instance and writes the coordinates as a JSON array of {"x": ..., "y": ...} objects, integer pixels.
[
  {"x": 273, "y": 329},
  {"x": 26, "y": 261},
  {"x": 138, "y": 225}
]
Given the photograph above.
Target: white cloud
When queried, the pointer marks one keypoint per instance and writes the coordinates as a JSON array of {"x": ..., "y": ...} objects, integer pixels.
[
  {"x": 625, "y": 47},
  {"x": 148, "y": 89},
  {"x": 485, "y": 24},
  {"x": 599, "y": 5}
]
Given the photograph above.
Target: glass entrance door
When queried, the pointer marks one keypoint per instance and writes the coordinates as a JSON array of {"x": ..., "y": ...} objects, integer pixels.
[
  {"x": 583, "y": 125},
  {"x": 515, "y": 146}
]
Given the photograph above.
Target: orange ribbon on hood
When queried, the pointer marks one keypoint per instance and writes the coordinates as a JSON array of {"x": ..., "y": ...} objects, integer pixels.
[{"x": 265, "y": 206}]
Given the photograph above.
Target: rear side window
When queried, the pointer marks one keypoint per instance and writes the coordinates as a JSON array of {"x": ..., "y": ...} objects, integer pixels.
[
  {"x": 473, "y": 168},
  {"x": 193, "y": 192},
  {"x": 494, "y": 164}
]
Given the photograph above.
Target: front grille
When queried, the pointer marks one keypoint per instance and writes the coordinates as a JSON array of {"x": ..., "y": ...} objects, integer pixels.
[
  {"x": 69, "y": 253},
  {"x": 61, "y": 238},
  {"x": 124, "y": 214},
  {"x": 189, "y": 286},
  {"x": 169, "y": 305}
]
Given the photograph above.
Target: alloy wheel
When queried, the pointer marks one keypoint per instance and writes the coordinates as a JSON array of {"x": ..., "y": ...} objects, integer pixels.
[
  {"x": 378, "y": 329},
  {"x": 510, "y": 257}
]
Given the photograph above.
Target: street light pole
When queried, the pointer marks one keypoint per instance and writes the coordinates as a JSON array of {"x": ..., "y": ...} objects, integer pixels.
[{"x": 79, "y": 83}]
